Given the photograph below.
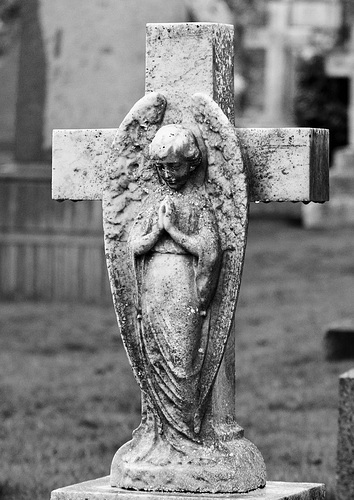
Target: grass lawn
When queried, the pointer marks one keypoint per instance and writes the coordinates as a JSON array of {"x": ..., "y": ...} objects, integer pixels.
[{"x": 68, "y": 399}]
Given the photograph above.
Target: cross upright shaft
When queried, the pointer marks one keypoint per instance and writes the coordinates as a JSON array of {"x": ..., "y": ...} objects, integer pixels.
[
  {"x": 178, "y": 67},
  {"x": 185, "y": 58}
]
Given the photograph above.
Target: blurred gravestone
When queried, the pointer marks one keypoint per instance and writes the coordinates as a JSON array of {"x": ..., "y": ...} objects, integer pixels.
[
  {"x": 340, "y": 210},
  {"x": 339, "y": 341},
  {"x": 273, "y": 39},
  {"x": 292, "y": 25},
  {"x": 8, "y": 80},
  {"x": 345, "y": 449}
]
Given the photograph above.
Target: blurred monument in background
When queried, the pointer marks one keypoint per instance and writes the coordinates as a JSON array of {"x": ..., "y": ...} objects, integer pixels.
[
  {"x": 274, "y": 50},
  {"x": 345, "y": 449},
  {"x": 340, "y": 210},
  {"x": 72, "y": 72},
  {"x": 292, "y": 26}
]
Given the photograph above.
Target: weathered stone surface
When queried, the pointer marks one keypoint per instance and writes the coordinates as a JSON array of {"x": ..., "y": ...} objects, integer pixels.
[
  {"x": 297, "y": 159},
  {"x": 345, "y": 450},
  {"x": 79, "y": 163},
  {"x": 100, "y": 489},
  {"x": 208, "y": 66},
  {"x": 176, "y": 317},
  {"x": 339, "y": 341},
  {"x": 286, "y": 164},
  {"x": 160, "y": 214}
]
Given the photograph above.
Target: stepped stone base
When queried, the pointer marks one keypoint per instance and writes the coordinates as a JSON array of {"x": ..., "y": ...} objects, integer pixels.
[{"x": 100, "y": 489}]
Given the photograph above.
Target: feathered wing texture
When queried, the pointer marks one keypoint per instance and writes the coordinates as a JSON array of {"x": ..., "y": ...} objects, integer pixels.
[
  {"x": 129, "y": 178},
  {"x": 227, "y": 189}
]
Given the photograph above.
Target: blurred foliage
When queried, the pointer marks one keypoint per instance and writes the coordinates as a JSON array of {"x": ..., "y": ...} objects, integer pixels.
[
  {"x": 322, "y": 101},
  {"x": 9, "y": 21}
]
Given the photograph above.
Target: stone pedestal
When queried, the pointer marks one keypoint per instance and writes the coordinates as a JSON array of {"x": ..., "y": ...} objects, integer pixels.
[
  {"x": 100, "y": 489},
  {"x": 340, "y": 209}
]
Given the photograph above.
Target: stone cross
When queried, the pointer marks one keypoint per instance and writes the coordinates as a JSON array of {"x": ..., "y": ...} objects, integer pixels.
[
  {"x": 276, "y": 39},
  {"x": 283, "y": 164}
]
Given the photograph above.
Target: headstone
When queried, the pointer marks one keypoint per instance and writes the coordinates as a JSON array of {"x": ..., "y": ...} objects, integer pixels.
[
  {"x": 155, "y": 193},
  {"x": 323, "y": 14},
  {"x": 345, "y": 450},
  {"x": 340, "y": 210},
  {"x": 339, "y": 341},
  {"x": 8, "y": 80}
]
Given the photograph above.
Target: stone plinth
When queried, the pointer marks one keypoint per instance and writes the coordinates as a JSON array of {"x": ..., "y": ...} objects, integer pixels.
[
  {"x": 100, "y": 489},
  {"x": 345, "y": 451}
]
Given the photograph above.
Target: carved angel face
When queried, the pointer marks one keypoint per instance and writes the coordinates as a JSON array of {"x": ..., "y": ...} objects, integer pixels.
[
  {"x": 175, "y": 153},
  {"x": 174, "y": 172}
]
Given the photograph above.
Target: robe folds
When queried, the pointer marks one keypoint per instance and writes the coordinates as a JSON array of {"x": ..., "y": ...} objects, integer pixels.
[{"x": 176, "y": 273}]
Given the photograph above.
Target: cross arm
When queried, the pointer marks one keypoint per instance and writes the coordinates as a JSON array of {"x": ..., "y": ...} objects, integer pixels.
[{"x": 288, "y": 164}]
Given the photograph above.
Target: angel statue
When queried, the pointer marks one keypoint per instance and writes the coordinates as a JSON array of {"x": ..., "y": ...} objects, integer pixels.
[{"x": 175, "y": 221}]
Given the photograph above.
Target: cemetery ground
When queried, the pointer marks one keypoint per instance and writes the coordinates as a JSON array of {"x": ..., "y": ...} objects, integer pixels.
[{"x": 68, "y": 399}]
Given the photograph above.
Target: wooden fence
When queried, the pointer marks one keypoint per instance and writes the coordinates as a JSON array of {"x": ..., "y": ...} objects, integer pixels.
[{"x": 48, "y": 250}]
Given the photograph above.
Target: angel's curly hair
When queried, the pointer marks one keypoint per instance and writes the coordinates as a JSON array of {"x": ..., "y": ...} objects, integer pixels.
[{"x": 175, "y": 141}]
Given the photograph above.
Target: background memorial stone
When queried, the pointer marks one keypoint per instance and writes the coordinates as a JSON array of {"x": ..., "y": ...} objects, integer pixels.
[
  {"x": 70, "y": 73},
  {"x": 339, "y": 341},
  {"x": 345, "y": 453},
  {"x": 340, "y": 210},
  {"x": 293, "y": 25},
  {"x": 289, "y": 30}
]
